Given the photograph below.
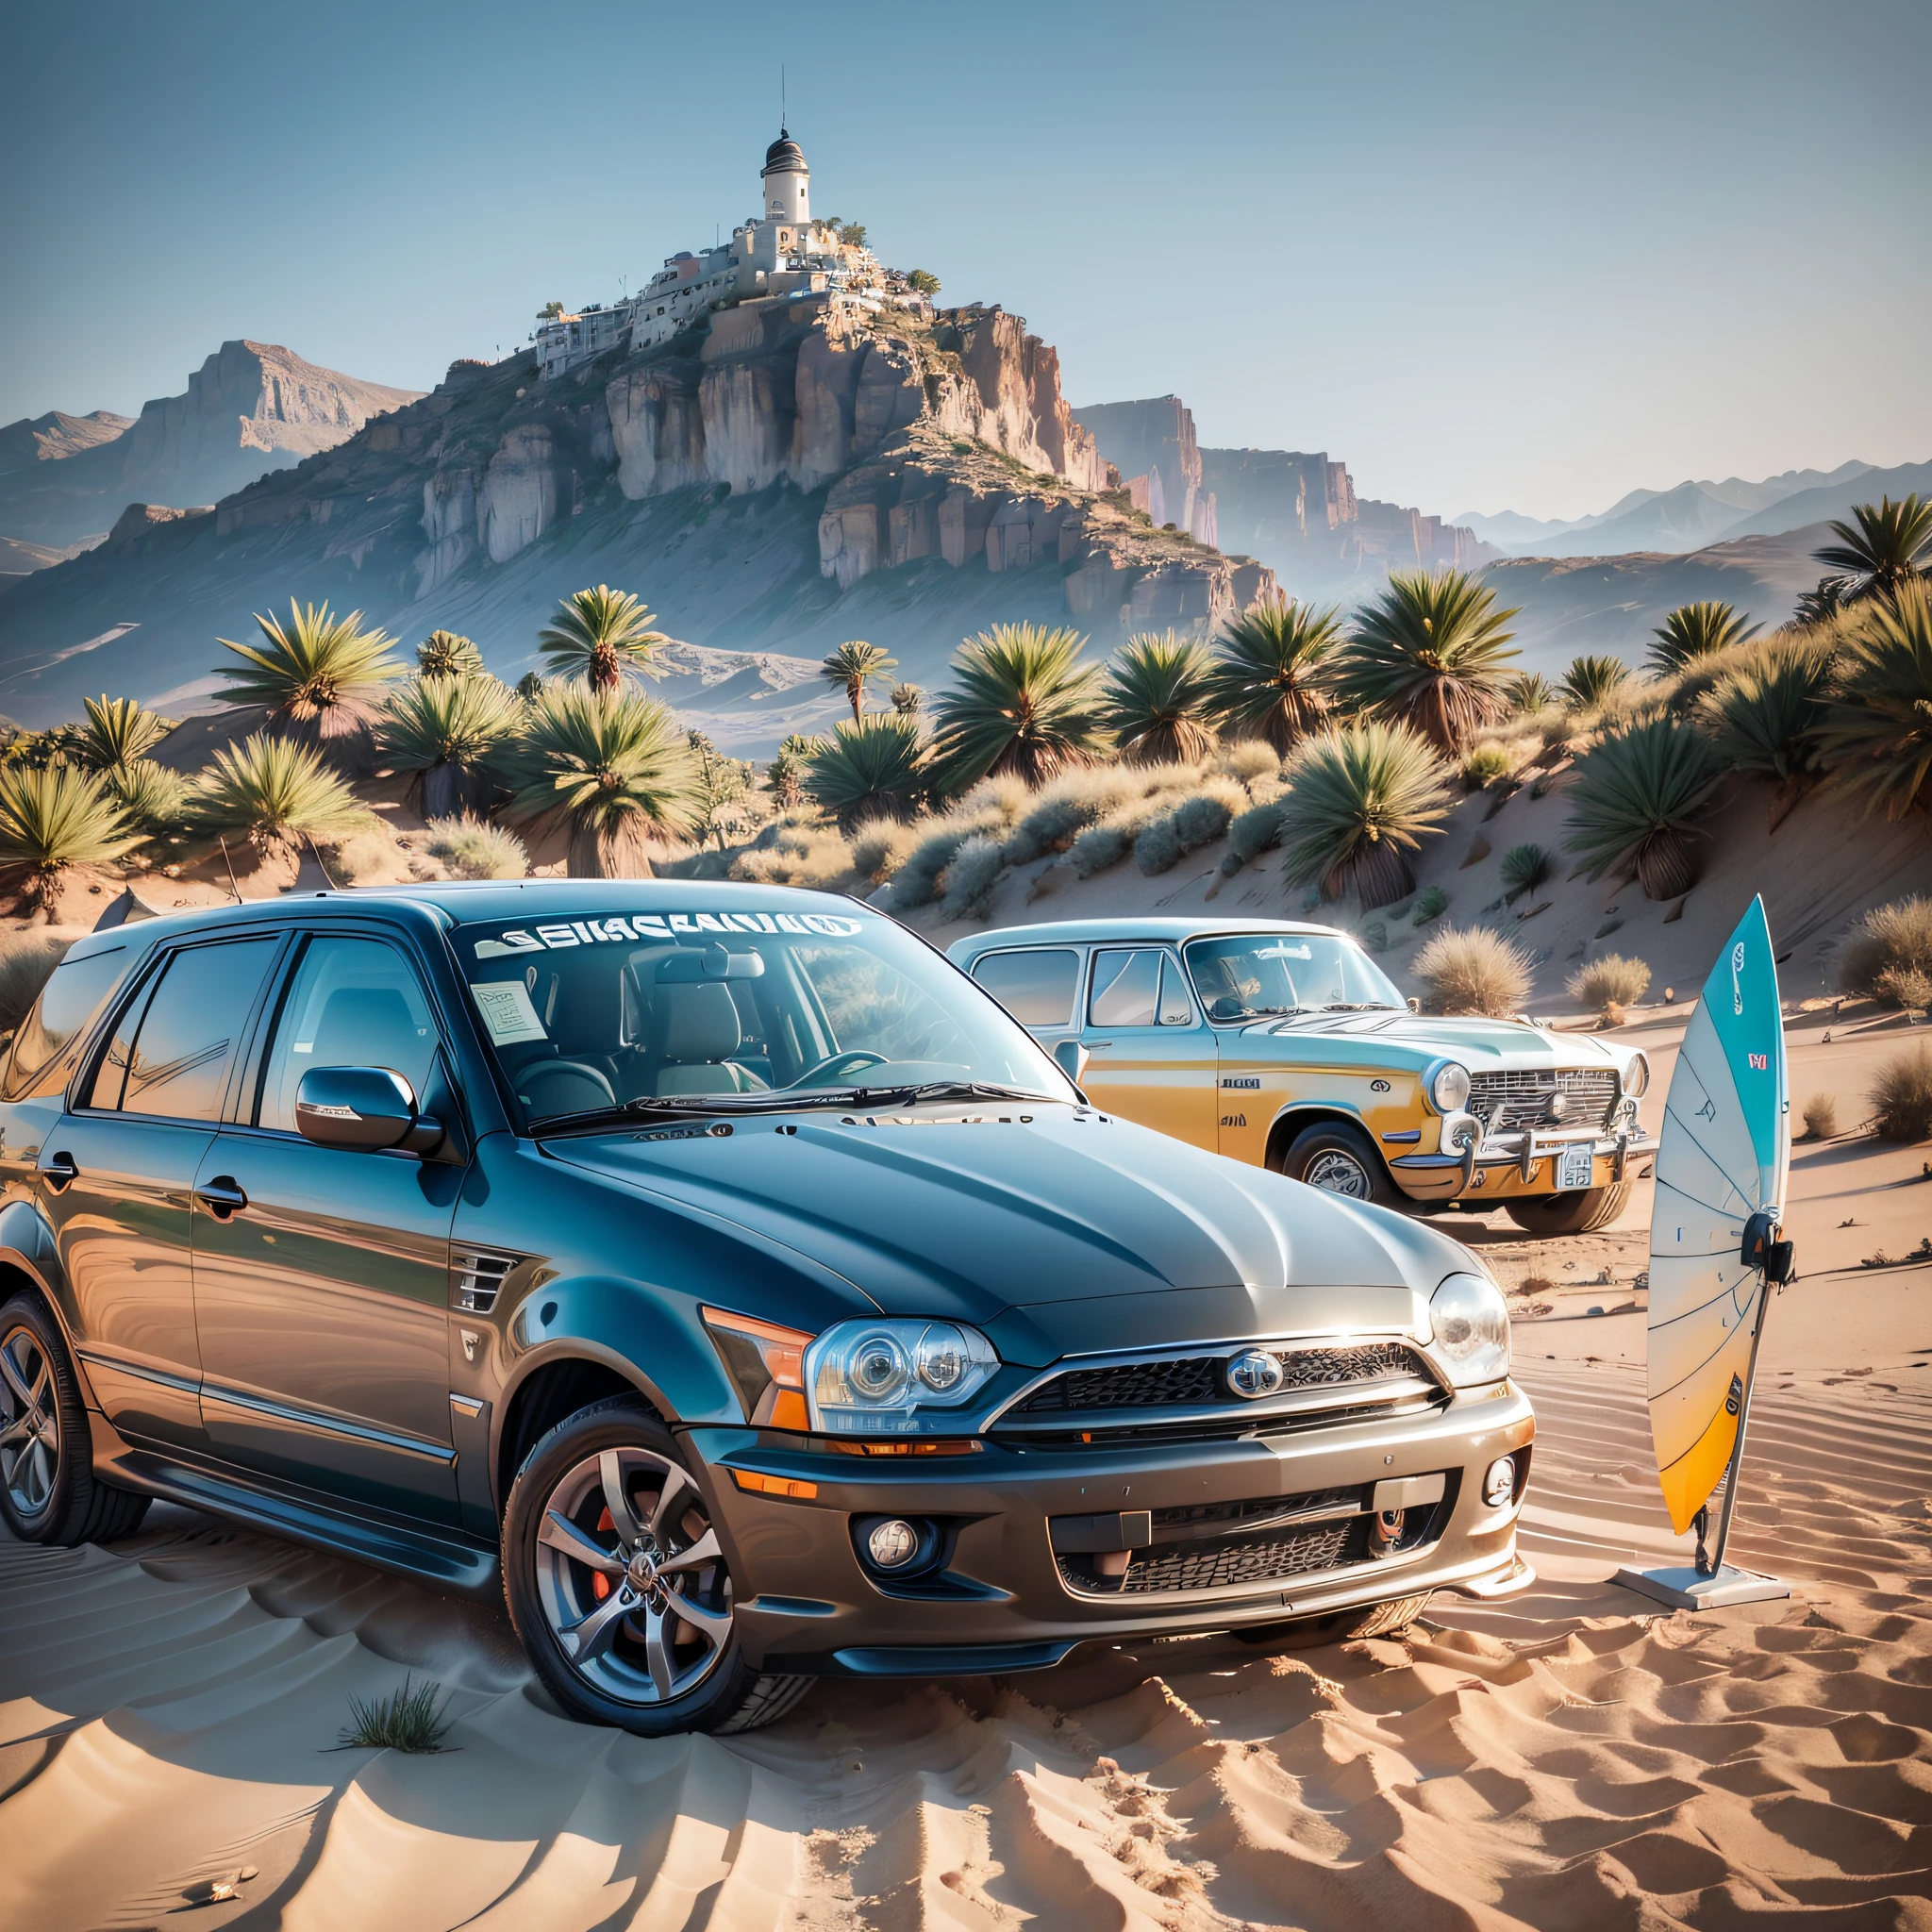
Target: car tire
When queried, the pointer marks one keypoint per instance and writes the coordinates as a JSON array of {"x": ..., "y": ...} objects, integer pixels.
[
  {"x": 49, "y": 1492},
  {"x": 1340, "y": 1626},
  {"x": 1583, "y": 1210},
  {"x": 671, "y": 1663},
  {"x": 1342, "y": 1159}
]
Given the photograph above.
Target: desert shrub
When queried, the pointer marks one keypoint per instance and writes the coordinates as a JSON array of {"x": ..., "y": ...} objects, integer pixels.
[
  {"x": 55, "y": 818},
  {"x": 1906, "y": 986},
  {"x": 1098, "y": 847},
  {"x": 370, "y": 857},
  {"x": 473, "y": 848},
  {"x": 1765, "y": 716},
  {"x": 1876, "y": 740},
  {"x": 1589, "y": 681},
  {"x": 1901, "y": 1096},
  {"x": 916, "y": 882},
  {"x": 880, "y": 847},
  {"x": 1061, "y": 810},
  {"x": 1256, "y": 830},
  {"x": 1821, "y": 1117},
  {"x": 972, "y": 876},
  {"x": 1694, "y": 632},
  {"x": 1472, "y": 970},
  {"x": 1157, "y": 701},
  {"x": 408, "y": 1719},
  {"x": 871, "y": 767},
  {"x": 154, "y": 798},
  {"x": 1634, "y": 802},
  {"x": 26, "y": 960},
  {"x": 1363, "y": 798},
  {"x": 1428, "y": 653},
  {"x": 1891, "y": 935},
  {"x": 1158, "y": 848},
  {"x": 1249, "y": 760},
  {"x": 1201, "y": 819},
  {"x": 1524, "y": 868},
  {"x": 1004, "y": 793},
  {"x": 1430, "y": 903},
  {"x": 1485, "y": 765},
  {"x": 1607, "y": 985}
]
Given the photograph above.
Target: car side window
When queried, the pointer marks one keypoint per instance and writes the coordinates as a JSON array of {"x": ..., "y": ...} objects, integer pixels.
[
  {"x": 353, "y": 1002},
  {"x": 170, "y": 1057},
  {"x": 1038, "y": 986},
  {"x": 68, "y": 1003},
  {"x": 1137, "y": 987}
]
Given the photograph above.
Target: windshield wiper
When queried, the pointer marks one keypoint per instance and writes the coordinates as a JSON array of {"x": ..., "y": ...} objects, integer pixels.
[
  {"x": 779, "y": 1100},
  {"x": 951, "y": 1089},
  {"x": 1360, "y": 1007}
]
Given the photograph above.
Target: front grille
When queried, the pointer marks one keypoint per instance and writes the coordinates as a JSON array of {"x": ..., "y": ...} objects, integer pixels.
[
  {"x": 1525, "y": 1097},
  {"x": 1198, "y": 1382},
  {"x": 1226, "y": 1563}
]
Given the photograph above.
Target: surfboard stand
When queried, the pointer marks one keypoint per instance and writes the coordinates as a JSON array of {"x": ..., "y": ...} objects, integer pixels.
[{"x": 1710, "y": 1583}]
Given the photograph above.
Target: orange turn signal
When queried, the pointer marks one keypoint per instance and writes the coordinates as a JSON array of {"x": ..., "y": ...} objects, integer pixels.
[
  {"x": 766, "y": 1364},
  {"x": 760, "y": 1483}
]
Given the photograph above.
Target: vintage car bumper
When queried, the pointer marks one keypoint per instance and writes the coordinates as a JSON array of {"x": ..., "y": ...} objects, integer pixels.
[
  {"x": 1515, "y": 1161},
  {"x": 1218, "y": 1535}
]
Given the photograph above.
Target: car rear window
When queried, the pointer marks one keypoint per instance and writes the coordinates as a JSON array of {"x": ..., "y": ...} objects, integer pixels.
[{"x": 1037, "y": 985}]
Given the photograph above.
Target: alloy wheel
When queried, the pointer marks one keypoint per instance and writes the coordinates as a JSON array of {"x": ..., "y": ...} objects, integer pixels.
[
  {"x": 29, "y": 1423},
  {"x": 1338, "y": 1173},
  {"x": 630, "y": 1577}
]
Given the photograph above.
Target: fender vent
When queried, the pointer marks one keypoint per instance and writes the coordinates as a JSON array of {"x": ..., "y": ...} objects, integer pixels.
[{"x": 476, "y": 1276}]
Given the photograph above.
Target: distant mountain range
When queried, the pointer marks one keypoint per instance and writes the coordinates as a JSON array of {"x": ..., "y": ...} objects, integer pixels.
[{"x": 1694, "y": 515}]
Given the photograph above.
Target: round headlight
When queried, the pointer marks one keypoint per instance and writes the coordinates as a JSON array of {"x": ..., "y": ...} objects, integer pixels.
[
  {"x": 1471, "y": 1328},
  {"x": 878, "y": 1369},
  {"x": 1637, "y": 1076},
  {"x": 1449, "y": 1087}
]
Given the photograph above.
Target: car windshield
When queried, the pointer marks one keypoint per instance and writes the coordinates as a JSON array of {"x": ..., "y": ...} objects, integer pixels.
[
  {"x": 1257, "y": 975},
  {"x": 678, "y": 1008}
]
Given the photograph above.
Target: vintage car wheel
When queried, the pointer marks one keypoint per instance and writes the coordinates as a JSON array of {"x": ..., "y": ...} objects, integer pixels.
[
  {"x": 1583, "y": 1210},
  {"x": 1339, "y": 1626},
  {"x": 48, "y": 1490},
  {"x": 618, "y": 1587},
  {"x": 1338, "y": 1160}
]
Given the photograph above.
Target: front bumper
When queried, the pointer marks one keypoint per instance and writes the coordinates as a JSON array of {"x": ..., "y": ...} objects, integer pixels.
[
  {"x": 1515, "y": 1161},
  {"x": 1003, "y": 1601}
]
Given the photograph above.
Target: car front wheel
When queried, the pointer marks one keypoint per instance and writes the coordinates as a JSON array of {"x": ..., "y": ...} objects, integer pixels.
[
  {"x": 1583, "y": 1210},
  {"x": 1338, "y": 1160},
  {"x": 619, "y": 1588}
]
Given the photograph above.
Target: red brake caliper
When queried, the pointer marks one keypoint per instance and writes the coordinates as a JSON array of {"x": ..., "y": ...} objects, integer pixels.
[{"x": 600, "y": 1583}]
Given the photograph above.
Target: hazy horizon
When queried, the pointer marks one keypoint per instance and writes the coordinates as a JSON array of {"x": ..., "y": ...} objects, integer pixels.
[{"x": 1494, "y": 257}]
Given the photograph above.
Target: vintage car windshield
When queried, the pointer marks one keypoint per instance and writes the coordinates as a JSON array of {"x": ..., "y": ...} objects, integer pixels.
[
  {"x": 1258, "y": 976},
  {"x": 593, "y": 1012}
]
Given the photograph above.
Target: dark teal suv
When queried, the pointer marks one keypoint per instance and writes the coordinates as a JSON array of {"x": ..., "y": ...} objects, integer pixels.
[{"x": 723, "y": 1275}]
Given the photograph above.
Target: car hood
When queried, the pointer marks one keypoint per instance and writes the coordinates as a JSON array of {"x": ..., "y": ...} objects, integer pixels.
[
  {"x": 1477, "y": 1043},
  {"x": 1076, "y": 1218}
]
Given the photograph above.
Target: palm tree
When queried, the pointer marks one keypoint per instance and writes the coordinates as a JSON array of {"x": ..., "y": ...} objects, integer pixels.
[
  {"x": 1157, "y": 701},
  {"x": 602, "y": 636},
  {"x": 1765, "y": 715},
  {"x": 117, "y": 732},
  {"x": 52, "y": 818},
  {"x": 1528, "y": 692},
  {"x": 612, "y": 766},
  {"x": 850, "y": 666},
  {"x": 1588, "y": 682},
  {"x": 1890, "y": 547},
  {"x": 150, "y": 796},
  {"x": 1633, "y": 800},
  {"x": 871, "y": 768},
  {"x": 322, "y": 673},
  {"x": 528, "y": 686},
  {"x": 1429, "y": 653},
  {"x": 1819, "y": 605},
  {"x": 1023, "y": 704},
  {"x": 1875, "y": 741},
  {"x": 275, "y": 793},
  {"x": 1269, "y": 670},
  {"x": 443, "y": 654},
  {"x": 1360, "y": 800},
  {"x": 1696, "y": 630},
  {"x": 441, "y": 731}
]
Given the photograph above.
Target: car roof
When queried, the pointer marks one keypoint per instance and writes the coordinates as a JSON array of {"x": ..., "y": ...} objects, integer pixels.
[
  {"x": 1171, "y": 928},
  {"x": 462, "y": 902}
]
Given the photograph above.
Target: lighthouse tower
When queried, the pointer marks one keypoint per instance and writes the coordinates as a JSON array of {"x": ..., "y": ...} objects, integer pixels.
[{"x": 787, "y": 181}]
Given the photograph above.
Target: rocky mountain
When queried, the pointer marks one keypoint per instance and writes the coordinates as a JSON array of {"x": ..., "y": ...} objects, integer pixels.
[
  {"x": 251, "y": 408},
  {"x": 1152, "y": 444},
  {"x": 792, "y": 475},
  {"x": 1833, "y": 499}
]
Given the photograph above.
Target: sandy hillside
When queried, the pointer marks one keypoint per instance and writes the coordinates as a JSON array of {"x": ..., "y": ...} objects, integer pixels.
[{"x": 166, "y": 1710}]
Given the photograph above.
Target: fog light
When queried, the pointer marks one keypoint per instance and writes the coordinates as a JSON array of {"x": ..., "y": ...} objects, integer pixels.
[
  {"x": 892, "y": 1545},
  {"x": 1499, "y": 1481}
]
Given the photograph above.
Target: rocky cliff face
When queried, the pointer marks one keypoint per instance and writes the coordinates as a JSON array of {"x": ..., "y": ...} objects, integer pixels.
[
  {"x": 1152, "y": 444},
  {"x": 249, "y": 408}
]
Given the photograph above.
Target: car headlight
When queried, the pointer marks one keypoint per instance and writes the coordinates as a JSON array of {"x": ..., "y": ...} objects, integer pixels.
[
  {"x": 1637, "y": 1076},
  {"x": 895, "y": 1377},
  {"x": 1448, "y": 1087},
  {"x": 1471, "y": 1320}
]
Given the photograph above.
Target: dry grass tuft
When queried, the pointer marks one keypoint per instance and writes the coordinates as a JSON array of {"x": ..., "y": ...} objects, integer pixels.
[
  {"x": 1891, "y": 935},
  {"x": 473, "y": 848},
  {"x": 1901, "y": 1096},
  {"x": 1821, "y": 1117},
  {"x": 794, "y": 851},
  {"x": 1472, "y": 970},
  {"x": 1610, "y": 984}
]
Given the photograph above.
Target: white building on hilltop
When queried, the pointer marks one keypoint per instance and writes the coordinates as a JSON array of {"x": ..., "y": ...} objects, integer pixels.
[{"x": 781, "y": 255}]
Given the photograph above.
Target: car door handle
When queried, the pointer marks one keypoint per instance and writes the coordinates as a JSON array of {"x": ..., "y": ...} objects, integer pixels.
[
  {"x": 222, "y": 1197},
  {"x": 57, "y": 1169},
  {"x": 1094, "y": 1045}
]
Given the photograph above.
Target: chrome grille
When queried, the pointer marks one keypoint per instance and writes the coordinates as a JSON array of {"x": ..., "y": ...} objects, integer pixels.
[
  {"x": 476, "y": 1277},
  {"x": 1525, "y": 1096},
  {"x": 1198, "y": 1380}
]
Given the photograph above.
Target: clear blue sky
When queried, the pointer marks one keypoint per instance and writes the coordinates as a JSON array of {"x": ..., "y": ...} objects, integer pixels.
[{"x": 1516, "y": 255}]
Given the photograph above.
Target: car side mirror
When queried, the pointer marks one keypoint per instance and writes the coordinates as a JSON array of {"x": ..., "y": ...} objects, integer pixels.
[
  {"x": 1072, "y": 1057},
  {"x": 365, "y": 1109}
]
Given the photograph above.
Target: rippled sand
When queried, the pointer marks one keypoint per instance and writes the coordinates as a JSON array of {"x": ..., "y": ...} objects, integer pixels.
[{"x": 1562, "y": 1760}]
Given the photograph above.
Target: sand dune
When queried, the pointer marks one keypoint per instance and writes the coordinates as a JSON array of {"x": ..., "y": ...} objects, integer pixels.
[{"x": 1562, "y": 1759}]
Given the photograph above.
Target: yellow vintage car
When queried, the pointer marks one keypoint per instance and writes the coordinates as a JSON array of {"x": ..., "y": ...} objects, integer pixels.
[{"x": 1284, "y": 1044}]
